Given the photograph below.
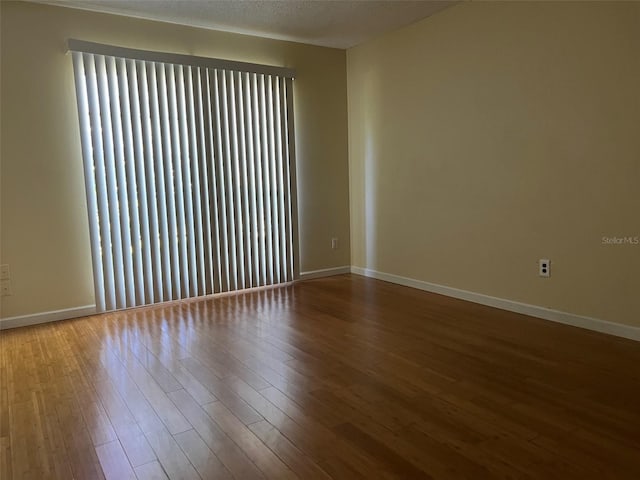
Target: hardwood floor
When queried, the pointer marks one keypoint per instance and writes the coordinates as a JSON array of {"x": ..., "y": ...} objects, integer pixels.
[{"x": 343, "y": 377}]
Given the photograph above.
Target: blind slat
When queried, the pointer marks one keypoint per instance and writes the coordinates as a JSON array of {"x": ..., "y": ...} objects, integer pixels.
[
  {"x": 259, "y": 193},
  {"x": 280, "y": 128},
  {"x": 223, "y": 160},
  {"x": 187, "y": 152},
  {"x": 215, "y": 268},
  {"x": 131, "y": 182},
  {"x": 245, "y": 225},
  {"x": 250, "y": 190},
  {"x": 148, "y": 204},
  {"x": 167, "y": 128},
  {"x": 177, "y": 158},
  {"x": 159, "y": 137},
  {"x": 273, "y": 182},
  {"x": 235, "y": 180},
  {"x": 266, "y": 181},
  {"x": 122, "y": 193},
  {"x": 197, "y": 228},
  {"x": 292, "y": 183}
]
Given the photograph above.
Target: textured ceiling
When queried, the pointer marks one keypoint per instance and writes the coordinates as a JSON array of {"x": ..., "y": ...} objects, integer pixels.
[{"x": 338, "y": 24}]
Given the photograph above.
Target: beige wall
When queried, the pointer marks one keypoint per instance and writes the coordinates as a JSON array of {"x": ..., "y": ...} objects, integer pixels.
[
  {"x": 494, "y": 134},
  {"x": 44, "y": 233},
  {"x": 480, "y": 139}
]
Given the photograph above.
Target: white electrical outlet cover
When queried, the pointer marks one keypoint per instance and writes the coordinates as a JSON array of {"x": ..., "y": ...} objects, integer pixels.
[{"x": 544, "y": 267}]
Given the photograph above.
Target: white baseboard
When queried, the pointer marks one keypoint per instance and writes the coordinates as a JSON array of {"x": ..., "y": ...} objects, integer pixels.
[
  {"x": 52, "y": 316},
  {"x": 325, "y": 272},
  {"x": 55, "y": 315},
  {"x": 589, "y": 323}
]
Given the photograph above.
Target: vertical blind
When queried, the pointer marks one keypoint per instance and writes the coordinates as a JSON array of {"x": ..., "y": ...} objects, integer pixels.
[{"x": 189, "y": 174}]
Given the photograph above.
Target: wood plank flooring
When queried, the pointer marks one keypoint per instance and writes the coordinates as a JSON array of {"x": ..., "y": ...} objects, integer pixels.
[{"x": 342, "y": 377}]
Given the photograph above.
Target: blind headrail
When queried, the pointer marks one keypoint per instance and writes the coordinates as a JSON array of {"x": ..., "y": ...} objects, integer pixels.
[{"x": 74, "y": 45}]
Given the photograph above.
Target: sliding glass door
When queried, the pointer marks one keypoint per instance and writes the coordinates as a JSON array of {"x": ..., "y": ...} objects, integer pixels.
[{"x": 189, "y": 173}]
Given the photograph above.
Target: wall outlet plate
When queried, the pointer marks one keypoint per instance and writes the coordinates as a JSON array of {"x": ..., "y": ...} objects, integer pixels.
[
  {"x": 544, "y": 267},
  {"x": 5, "y": 289}
]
